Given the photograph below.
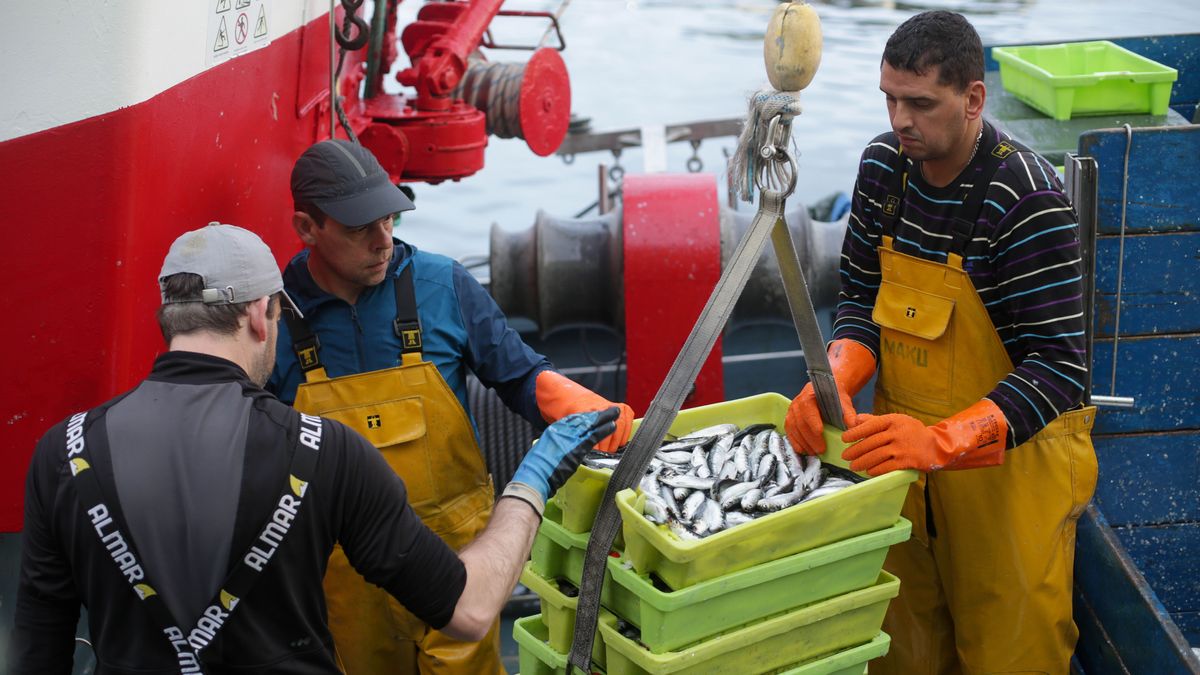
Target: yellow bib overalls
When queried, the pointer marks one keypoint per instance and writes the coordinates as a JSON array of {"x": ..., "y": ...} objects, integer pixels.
[
  {"x": 986, "y": 578},
  {"x": 413, "y": 417}
]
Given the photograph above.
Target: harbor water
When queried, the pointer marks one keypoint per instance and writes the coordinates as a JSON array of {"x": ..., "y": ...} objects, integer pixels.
[{"x": 663, "y": 62}]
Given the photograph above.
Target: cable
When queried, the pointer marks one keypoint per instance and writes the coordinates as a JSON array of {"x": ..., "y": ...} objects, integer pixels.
[{"x": 495, "y": 89}]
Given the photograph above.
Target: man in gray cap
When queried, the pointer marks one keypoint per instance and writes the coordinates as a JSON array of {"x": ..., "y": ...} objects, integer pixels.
[
  {"x": 389, "y": 337},
  {"x": 194, "y": 515}
]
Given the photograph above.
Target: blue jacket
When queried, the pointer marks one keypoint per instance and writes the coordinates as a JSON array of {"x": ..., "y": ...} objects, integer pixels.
[{"x": 461, "y": 327}]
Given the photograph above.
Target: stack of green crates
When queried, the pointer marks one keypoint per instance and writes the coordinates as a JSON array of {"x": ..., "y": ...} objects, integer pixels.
[
  {"x": 798, "y": 591},
  {"x": 553, "y": 572}
]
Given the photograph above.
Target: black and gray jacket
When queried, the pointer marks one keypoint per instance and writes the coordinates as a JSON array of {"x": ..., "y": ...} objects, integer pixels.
[{"x": 192, "y": 462}]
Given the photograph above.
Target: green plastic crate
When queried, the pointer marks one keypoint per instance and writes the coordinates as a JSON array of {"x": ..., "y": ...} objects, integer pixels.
[
  {"x": 579, "y": 498},
  {"x": 851, "y": 661},
  {"x": 871, "y": 505},
  {"x": 772, "y": 644},
  {"x": 558, "y": 611},
  {"x": 535, "y": 656},
  {"x": 1085, "y": 78},
  {"x": 558, "y": 553},
  {"x": 670, "y": 620}
]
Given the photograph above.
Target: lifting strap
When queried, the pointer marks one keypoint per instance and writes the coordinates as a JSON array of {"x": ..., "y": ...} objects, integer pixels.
[
  {"x": 109, "y": 525},
  {"x": 675, "y": 388}
]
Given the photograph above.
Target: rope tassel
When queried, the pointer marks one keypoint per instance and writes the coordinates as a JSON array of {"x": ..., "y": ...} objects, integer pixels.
[{"x": 747, "y": 163}]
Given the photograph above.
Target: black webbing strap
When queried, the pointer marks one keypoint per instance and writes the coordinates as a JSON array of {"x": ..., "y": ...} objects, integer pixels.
[
  {"x": 661, "y": 413},
  {"x": 407, "y": 326},
  {"x": 110, "y": 527},
  {"x": 305, "y": 343}
]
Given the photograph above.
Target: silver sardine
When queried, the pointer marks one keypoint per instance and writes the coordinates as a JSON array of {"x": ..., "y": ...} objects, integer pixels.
[
  {"x": 711, "y": 517},
  {"x": 691, "y": 505},
  {"x": 679, "y": 530},
  {"x": 780, "y": 501},
  {"x": 687, "y": 481},
  {"x": 733, "y": 494},
  {"x": 708, "y": 432},
  {"x": 656, "y": 509},
  {"x": 740, "y": 461},
  {"x": 682, "y": 444},
  {"x": 766, "y": 466},
  {"x": 751, "y": 498},
  {"x": 675, "y": 457},
  {"x": 668, "y": 496},
  {"x": 737, "y": 518},
  {"x": 719, "y": 453}
]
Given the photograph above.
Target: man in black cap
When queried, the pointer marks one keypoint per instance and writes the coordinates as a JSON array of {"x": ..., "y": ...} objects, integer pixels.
[
  {"x": 193, "y": 515},
  {"x": 389, "y": 335}
]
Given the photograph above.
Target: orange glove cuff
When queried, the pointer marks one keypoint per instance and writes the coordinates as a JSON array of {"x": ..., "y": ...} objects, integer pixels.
[
  {"x": 852, "y": 364},
  {"x": 558, "y": 396},
  {"x": 981, "y": 430},
  {"x": 970, "y": 439}
]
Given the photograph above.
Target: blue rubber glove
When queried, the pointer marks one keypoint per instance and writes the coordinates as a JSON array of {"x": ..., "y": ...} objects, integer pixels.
[{"x": 556, "y": 455}]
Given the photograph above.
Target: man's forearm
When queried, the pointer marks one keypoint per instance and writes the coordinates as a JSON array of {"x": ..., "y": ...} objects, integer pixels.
[{"x": 494, "y": 562}]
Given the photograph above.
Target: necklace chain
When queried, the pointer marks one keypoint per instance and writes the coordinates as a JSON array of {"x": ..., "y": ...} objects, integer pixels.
[{"x": 978, "y": 138}]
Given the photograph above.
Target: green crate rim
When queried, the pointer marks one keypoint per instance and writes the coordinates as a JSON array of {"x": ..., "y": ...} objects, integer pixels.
[
  {"x": 886, "y": 588},
  {"x": 671, "y": 600}
]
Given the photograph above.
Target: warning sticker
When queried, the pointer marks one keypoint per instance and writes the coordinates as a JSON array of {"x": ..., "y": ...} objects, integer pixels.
[
  {"x": 236, "y": 27},
  {"x": 222, "y": 41},
  {"x": 242, "y": 28},
  {"x": 260, "y": 26}
]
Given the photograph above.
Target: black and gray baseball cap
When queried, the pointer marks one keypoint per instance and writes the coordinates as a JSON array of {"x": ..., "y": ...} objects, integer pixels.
[
  {"x": 234, "y": 262},
  {"x": 345, "y": 181}
]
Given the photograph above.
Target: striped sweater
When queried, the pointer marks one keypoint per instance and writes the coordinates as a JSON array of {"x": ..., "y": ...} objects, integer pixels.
[{"x": 1023, "y": 258}]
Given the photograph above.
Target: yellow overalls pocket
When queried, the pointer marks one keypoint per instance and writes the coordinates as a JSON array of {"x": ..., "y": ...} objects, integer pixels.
[
  {"x": 398, "y": 429},
  {"x": 916, "y": 342}
]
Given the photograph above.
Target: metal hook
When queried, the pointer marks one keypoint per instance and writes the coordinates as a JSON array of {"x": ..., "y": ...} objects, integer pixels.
[
  {"x": 694, "y": 163},
  {"x": 768, "y": 150},
  {"x": 775, "y": 152}
]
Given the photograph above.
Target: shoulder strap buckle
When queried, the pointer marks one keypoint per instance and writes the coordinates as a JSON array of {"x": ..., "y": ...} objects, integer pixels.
[
  {"x": 406, "y": 325},
  {"x": 409, "y": 333},
  {"x": 307, "y": 352}
]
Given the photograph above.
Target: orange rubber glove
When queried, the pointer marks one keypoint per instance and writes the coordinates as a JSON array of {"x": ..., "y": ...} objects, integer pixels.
[
  {"x": 558, "y": 396},
  {"x": 852, "y": 365},
  {"x": 970, "y": 439}
]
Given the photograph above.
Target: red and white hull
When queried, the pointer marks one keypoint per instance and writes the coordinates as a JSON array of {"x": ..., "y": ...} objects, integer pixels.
[{"x": 120, "y": 129}]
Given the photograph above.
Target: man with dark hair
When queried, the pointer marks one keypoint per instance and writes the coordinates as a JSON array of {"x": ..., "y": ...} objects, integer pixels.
[
  {"x": 389, "y": 336},
  {"x": 194, "y": 515},
  {"x": 961, "y": 280}
]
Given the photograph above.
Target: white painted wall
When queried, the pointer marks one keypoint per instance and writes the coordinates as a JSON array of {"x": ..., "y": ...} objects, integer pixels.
[{"x": 62, "y": 61}]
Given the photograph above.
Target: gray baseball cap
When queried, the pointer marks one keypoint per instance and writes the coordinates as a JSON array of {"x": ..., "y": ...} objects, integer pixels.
[
  {"x": 234, "y": 262},
  {"x": 345, "y": 181}
]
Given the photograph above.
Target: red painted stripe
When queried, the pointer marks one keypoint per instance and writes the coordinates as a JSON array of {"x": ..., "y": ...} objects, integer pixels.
[{"x": 91, "y": 208}]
